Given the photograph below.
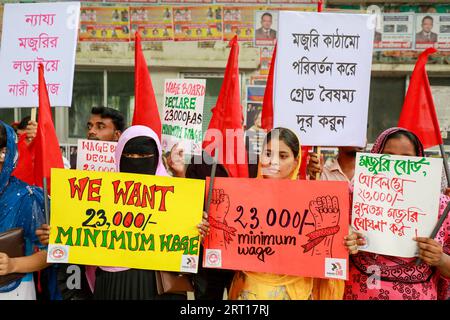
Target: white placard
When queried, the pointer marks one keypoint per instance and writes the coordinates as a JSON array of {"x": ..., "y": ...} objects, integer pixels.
[
  {"x": 38, "y": 33},
  {"x": 182, "y": 117},
  {"x": 322, "y": 76},
  {"x": 395, "y": 198},
  {"x": 96, "y": 155}
]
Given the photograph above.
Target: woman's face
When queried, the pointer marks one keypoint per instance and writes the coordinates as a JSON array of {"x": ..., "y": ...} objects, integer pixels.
[
  {"x": 277, "y": 160},
  {"x": 401, "y": 146}
]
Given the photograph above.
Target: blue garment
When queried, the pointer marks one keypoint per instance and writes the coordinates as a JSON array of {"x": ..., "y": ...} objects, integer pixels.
[{"x": 21, "y": 205}]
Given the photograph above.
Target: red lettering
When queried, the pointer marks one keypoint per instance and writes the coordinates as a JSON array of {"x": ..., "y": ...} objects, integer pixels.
[
  {"x": 79, "y": 189},
  {"x": 150, "y": 196},
  {"x": 94, "y": 187},
  {"x": 135, "y": 197},
  {"x": 164, "y": 190},
  {"x": 119, "y": 192}
]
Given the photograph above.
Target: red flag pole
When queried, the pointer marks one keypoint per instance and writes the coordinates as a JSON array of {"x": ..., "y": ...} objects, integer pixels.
[
  {"x": 316, "y": 149},
  {"x": 46, "y": 208}
]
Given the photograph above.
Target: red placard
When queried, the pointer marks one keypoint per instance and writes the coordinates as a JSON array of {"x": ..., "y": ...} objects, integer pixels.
[{"x": 279, "y": 226}]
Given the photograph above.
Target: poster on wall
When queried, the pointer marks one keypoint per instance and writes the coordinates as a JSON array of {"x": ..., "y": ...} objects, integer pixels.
[
  {"x": 202, "y": 23},
  {"x": 394, "y": 31},
  {"x": 432, "y": 30},
  {"x": 153, "y": 23},
  {"x": 108, "y": 24}
]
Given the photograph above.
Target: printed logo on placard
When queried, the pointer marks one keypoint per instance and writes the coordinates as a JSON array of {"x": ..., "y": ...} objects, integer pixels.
[
  {"x": 189, "y": 263},
  {"x": 213, "y": 258},
  {"x": 58, "y": 253},
  {"x": 335, "y": 268}
]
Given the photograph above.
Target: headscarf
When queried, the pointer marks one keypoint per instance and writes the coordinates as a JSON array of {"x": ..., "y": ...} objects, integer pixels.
[
  {"x": 380, "y": 143},
  {"x": 127, "y": 135},
  {"x": 298, "y": 288},
  {"x": 140, "y": 131},
  {"x": 21, "y": 206}
]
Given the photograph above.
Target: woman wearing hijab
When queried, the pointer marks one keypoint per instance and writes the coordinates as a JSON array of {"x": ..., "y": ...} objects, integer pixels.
[
  {"x": 21, "y": 206},
  {"x": 138, "y": 151},
  {"x": 400, "y": 278},
  {"x": 280, "y": 159}
]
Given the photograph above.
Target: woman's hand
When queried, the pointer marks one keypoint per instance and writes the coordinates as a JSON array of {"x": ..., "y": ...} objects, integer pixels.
[
  {"x": 6, "y": 264},
  {"x": 353, "y": 240},
  {"x": 203, "y": 227},
  {"x": 430, "y": 251},
  {"x": 315, "y": 166},
  {"x": 43, "y": 234}
]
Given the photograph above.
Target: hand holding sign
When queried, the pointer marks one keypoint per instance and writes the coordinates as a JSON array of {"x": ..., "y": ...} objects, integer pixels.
[{"x": 430, "y": 251}]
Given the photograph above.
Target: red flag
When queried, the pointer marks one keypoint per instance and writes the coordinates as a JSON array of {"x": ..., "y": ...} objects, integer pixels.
[
  {"x": 25, "y": 162},
  {"x": 418, "y": 112},
  {"x": 320, "y": 6},
  {"x": 145, "y": 107},
  {"x": 45, "y": 147},
  {"x": 267, "y": 113},
  {"x": 267, "y": 108},
  {"x": 227, "y": 117}
]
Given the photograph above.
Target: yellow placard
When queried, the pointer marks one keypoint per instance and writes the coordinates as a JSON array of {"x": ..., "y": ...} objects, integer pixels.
[{"x": 125, "y": 220}]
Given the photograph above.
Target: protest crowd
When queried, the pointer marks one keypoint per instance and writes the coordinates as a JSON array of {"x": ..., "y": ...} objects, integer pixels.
[{"x": 158, "y": 209}]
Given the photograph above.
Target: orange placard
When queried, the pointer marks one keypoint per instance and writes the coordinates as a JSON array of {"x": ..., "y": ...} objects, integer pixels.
[{"x": 279, "y": 226}]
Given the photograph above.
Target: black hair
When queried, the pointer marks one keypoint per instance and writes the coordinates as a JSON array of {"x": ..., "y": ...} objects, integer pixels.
[
  {"x": 410, "y": 136},
  {"x": 2, "y": 136},
  {"x": 266, "y": 14},
  {"x": 23, "y": 123},
  {"x": 288, "y": 137},
  {"x": 200, "y": 167},
  {"x": 110, "y": 113},
  {"x": 428, "y": 17}
]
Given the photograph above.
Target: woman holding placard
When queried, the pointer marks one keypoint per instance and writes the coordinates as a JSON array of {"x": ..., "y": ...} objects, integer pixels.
[
  {"x": 280, "y": 159},
  {"x": 400, "y": 278},
  {"x": 138, "y": 151}
]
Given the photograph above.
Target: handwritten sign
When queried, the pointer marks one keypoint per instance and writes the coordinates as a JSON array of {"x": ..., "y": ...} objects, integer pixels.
[
  {"x": 32, "y": 34},
  {"x": 279, "y": 226},
  {"x": 183, "y": 114},
  {"x": 95, "y": 155},
  {"x": 395, "y": 199},
  {"x": 125, "y": 220},
  {"x": 322, "y": 77}
]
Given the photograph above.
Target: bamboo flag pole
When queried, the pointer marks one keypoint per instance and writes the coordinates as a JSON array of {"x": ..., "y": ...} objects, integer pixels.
[
  {"x": 318, "y": 151},
  {"x": 33, "y": 114}
]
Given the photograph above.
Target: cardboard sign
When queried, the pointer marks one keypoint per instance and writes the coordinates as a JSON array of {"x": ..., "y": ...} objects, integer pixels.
[
  {"x": 395, "y": 199},
  {"x": 322, "y": 76},
  {"x": 95, "y": 155},
  {"x": 32, "y": 34},
  {"x": 125, "y": 220},
  {"x": 182, "y": 118},
  {"x": 279, "y": 226}
]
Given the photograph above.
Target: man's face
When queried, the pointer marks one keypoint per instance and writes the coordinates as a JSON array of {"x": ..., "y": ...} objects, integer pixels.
[
  {"x": 103, "y": 129},
  {"x": 427, "y": 25},
  {"x": 266, "y": 22}
]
